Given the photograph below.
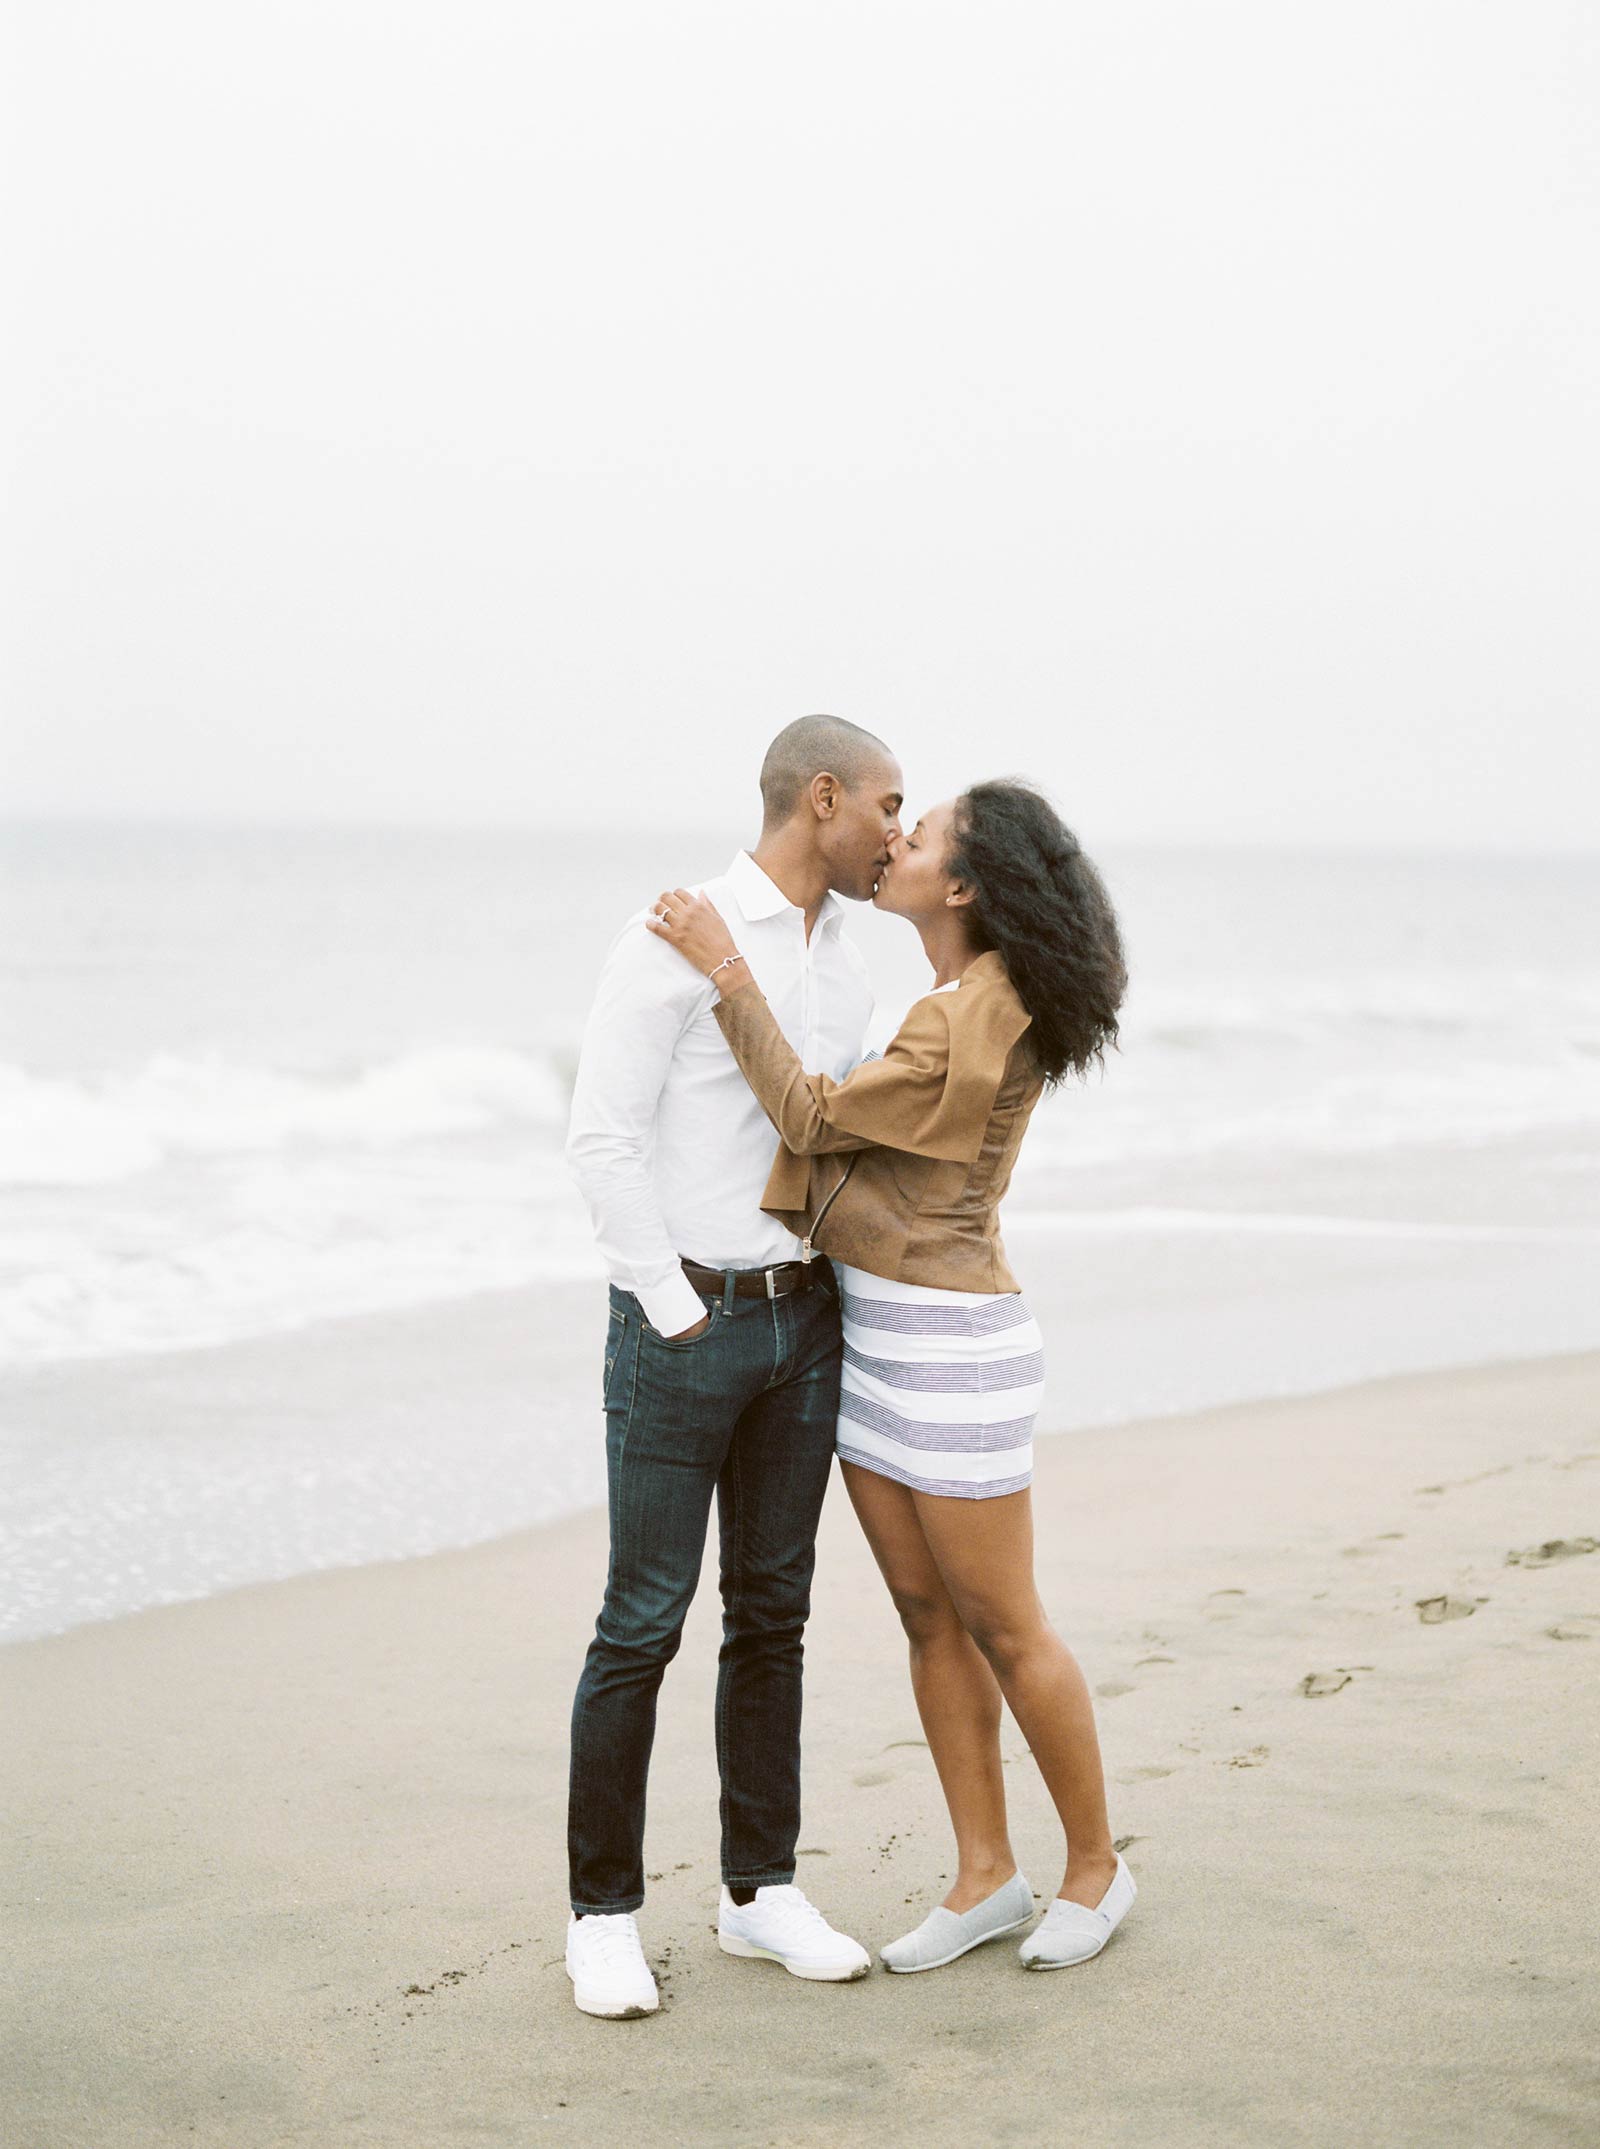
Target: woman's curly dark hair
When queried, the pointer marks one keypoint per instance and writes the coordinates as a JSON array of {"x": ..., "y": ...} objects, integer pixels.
[{"x": 1042, "y": 904}]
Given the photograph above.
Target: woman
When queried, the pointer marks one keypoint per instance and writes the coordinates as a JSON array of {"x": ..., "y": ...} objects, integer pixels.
[{"x": 942, "y": 1359}]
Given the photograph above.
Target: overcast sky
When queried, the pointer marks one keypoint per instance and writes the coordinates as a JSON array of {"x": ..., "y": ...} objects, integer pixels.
[{"x": 517, "y": 411}]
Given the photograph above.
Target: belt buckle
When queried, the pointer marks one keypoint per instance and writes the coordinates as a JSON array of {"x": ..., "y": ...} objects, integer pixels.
[{"x": 772, "y": 1288}]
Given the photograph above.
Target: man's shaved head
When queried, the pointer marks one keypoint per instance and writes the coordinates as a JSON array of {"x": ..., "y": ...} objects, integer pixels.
[
  {"x": 830, "y": 794},
  {"x": 809, "y": 747}
]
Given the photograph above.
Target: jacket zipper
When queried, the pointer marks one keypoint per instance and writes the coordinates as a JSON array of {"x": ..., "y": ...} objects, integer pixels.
[{"x": 805, "y": 1244}]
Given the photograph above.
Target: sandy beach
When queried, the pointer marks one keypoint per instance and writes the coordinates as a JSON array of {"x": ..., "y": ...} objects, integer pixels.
[{"x": 287, "y": 1864}]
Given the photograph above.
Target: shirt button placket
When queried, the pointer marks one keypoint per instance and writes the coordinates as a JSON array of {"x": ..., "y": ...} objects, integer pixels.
[{"x": 808, "y": 1003}]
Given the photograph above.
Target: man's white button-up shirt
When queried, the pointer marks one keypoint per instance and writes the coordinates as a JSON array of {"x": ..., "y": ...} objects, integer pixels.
[{"x": 667, "y": 1140}]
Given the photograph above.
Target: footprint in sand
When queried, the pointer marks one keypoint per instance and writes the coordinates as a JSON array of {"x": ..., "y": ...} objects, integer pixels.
[
  {"x": 870, "y": 1778},
  {"x": 1434, "y": 1611},
  {"x": 1316, "y": 1683},
  {"x": 1109, "y": 1689},
  {"x": 893, "y": 1743},
  {"x": 1220, "y": 1604},
  {"x": 1141, "y": 1662},
  {"x": 1580, "y": 1627},
  {"x": 1479, "y": 1477},
  {"x": 1143, "y": 1775},
  {"x": 1553, "y": 1549},
  {"x": 1252, "y": 1759}
]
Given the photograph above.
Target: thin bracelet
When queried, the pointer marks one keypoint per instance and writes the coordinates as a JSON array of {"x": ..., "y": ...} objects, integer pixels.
[{"x": 724, "y": 964}]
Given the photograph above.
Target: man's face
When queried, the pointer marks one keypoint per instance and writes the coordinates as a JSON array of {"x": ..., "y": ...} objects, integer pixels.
[{"x": 864, "y": 825}]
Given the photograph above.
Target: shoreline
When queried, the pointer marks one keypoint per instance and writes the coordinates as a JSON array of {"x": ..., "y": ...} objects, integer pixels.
[
  {"x": 169, "y": 1476},
  {"x": 313, "y": 1828},
  {"x": 594, "y": 1509}
]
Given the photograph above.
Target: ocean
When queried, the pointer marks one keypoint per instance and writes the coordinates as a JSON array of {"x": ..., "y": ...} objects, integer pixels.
[{"x": 253, "y": 1079}]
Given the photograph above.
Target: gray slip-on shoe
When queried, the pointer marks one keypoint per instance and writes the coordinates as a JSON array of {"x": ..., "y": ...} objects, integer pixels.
[
  {"x": 1070, "y": 1932},
  {"x": 945, "y": 1934}
]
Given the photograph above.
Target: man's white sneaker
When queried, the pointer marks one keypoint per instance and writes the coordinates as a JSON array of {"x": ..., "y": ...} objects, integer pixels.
[
  {"x": 781, "y": 1926},
  {"x": 606, "y": 1964},
  {"x": 1070, "y": 1932}
]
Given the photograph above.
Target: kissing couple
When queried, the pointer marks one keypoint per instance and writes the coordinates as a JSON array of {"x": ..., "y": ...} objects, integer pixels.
[{"x": 849, "y": 1294}]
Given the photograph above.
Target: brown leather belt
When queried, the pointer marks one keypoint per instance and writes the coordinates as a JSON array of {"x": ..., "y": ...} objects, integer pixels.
[{"x": 775, "y": 1282}]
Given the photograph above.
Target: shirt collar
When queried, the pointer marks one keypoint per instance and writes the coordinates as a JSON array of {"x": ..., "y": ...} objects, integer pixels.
[{"x": 759, "y": 896}]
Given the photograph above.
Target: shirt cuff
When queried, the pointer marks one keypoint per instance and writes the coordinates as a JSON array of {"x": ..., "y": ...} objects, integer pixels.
[{"x": 672, "y": 1305}]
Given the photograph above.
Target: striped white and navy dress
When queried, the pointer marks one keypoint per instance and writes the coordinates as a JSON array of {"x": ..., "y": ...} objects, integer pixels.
[{"x": 938, "y": 1388}]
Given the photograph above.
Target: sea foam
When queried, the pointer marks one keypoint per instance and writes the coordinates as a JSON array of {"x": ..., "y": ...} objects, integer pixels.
[{"x": 81, "y": 1130}]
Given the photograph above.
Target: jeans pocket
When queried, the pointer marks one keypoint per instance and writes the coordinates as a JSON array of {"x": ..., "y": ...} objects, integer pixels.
[
  {"x": 616, "y": 1333},
  {"x": 686, "y": 1343}
]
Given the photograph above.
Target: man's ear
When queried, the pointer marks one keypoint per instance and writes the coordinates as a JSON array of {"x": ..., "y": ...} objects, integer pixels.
[{"x": 824, "y": 795}]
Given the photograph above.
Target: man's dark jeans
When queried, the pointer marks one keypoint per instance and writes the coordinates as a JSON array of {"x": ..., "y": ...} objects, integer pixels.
[{"x": 747, "y": 1410}]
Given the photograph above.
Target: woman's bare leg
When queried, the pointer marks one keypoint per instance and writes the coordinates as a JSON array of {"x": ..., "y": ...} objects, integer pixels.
[
  {"x": 958, "y": 1699},
  {"x": 983, "y": 1552}
]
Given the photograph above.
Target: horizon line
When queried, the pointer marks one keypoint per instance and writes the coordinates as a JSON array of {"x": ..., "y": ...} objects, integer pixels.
[{"x": 352, "y": 825}]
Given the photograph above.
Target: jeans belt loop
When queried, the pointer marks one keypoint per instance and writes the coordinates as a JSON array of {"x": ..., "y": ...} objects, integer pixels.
[{"x": 728, "y": 1279}]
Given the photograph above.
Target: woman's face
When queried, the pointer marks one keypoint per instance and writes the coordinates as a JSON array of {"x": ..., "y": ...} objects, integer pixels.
[{"x": 915, "y": 884}]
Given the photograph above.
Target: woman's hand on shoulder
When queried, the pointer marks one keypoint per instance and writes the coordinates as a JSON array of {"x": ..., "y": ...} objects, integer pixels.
[{"x": 695, "y": 927}]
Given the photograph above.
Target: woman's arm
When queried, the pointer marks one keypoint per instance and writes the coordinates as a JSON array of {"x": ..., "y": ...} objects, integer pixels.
[
  {"x": 929, "y": 1095},
  {"x": 897, "y": 1102},
  {"x": 889, "y": 1101}
]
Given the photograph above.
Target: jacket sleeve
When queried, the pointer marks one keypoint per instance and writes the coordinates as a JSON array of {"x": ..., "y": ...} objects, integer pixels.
[{"x": 930, "y": 1095}]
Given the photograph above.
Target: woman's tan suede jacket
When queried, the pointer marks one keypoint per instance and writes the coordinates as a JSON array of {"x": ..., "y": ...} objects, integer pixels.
[{"x": 935, "y": 1126}]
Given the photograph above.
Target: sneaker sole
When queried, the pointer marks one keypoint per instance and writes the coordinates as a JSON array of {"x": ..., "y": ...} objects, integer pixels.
[
  {"x": 1001, "y": 1932},
  {"x": 822, "y": 1975},
  {"x": 631, "y": 2013}
]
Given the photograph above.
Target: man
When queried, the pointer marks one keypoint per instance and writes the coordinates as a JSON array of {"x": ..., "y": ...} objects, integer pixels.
[{"x": 721, "y": 1364}]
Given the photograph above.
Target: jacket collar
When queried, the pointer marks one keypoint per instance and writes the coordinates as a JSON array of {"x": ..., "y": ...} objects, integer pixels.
[
  {"x": 989, "y": 968},
  {"x": 760, "y": 896},
  {"x": 986, "y": 976}
]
